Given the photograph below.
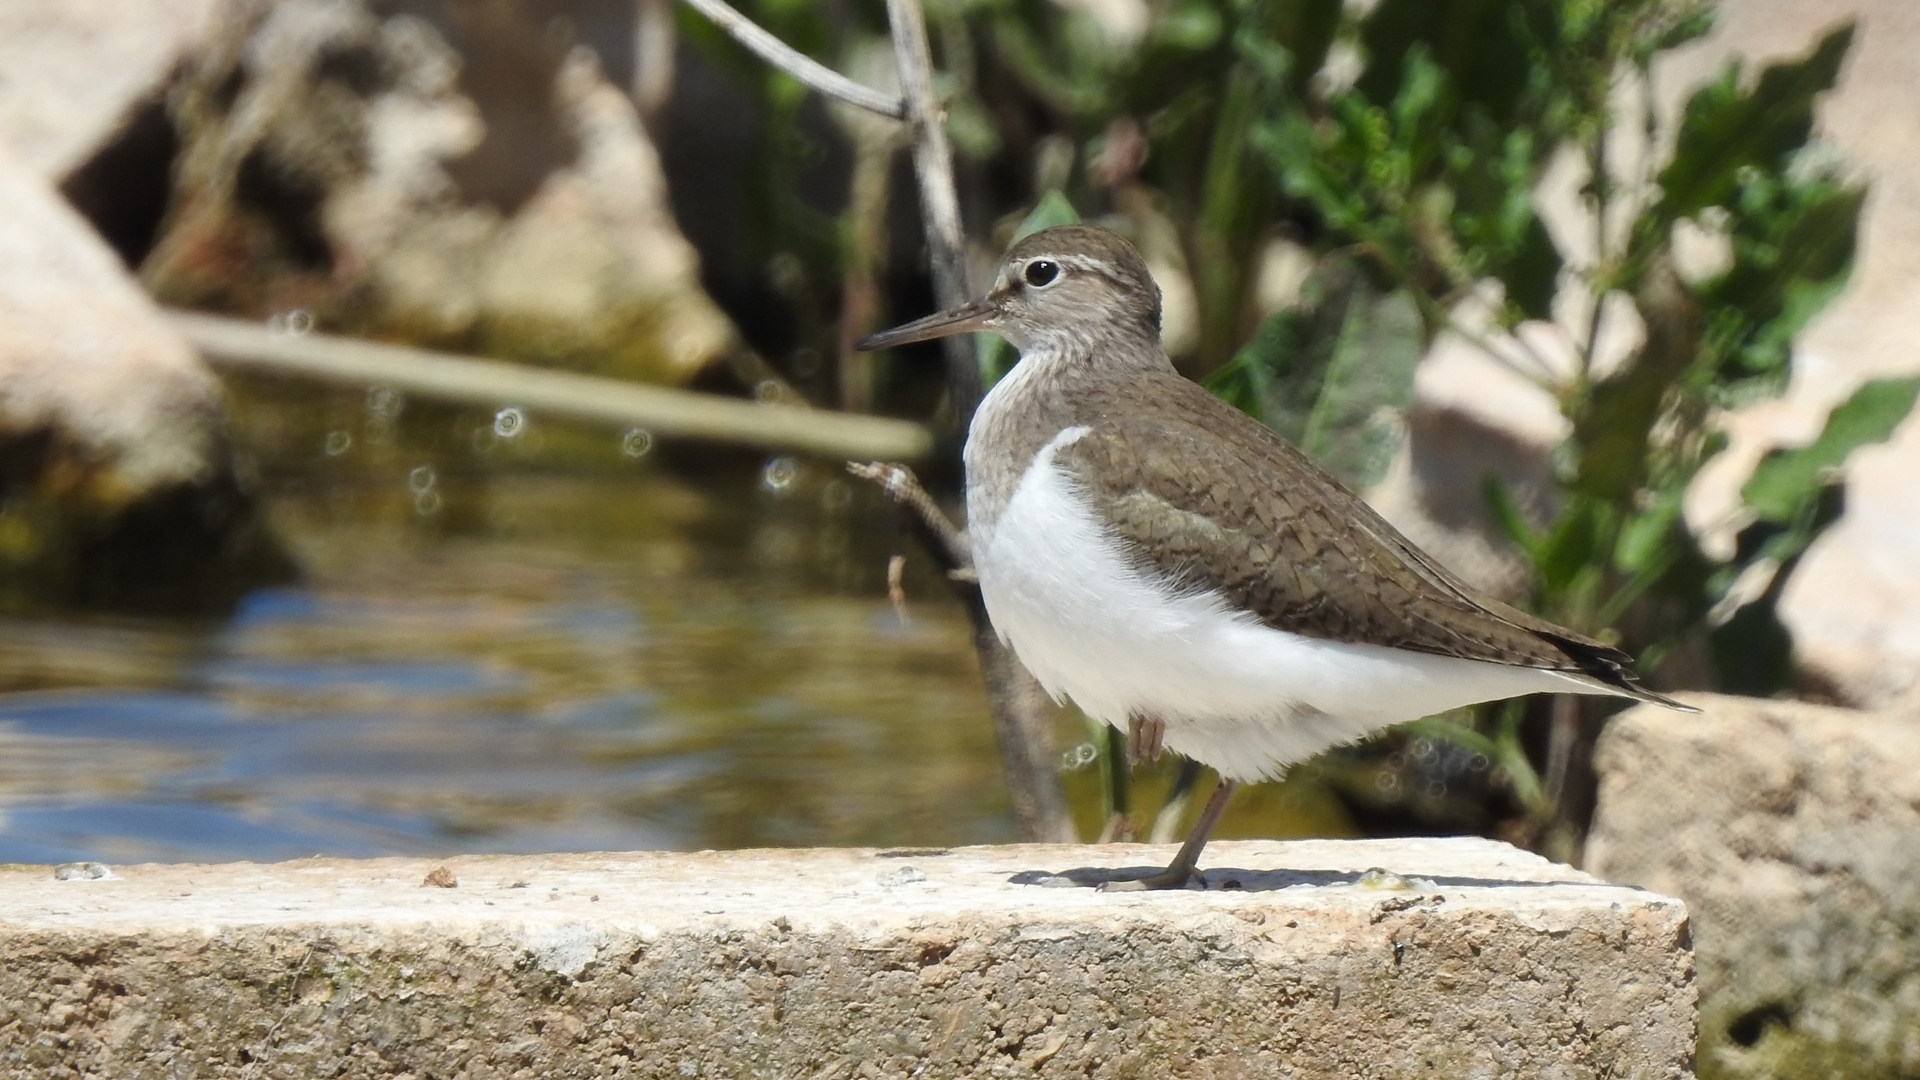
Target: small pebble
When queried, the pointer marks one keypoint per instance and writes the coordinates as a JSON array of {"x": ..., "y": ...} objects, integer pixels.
[
  {"x": 81, "y": 871},
  {"x": 1383, "y": 880},
  {"x": 905, "y": 875}
]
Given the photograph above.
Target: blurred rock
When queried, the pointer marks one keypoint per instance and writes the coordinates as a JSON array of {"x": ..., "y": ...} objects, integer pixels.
[
  {"x": 117, "y": 487},
  {"x": 1471, "y": 419},
  {"x": 1854, "y": 603},
  {"x": 74, "y": 74},
  {"x": 473, "y": 183},
  {"x": 1793, "y": 833}
]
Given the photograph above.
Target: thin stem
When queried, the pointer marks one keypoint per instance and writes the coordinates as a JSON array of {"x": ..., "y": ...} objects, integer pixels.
[
  {"x": 802, "y": 67},
  {"x": 1019, "y": 706},
  {"x": 1602, "y": 185},
  {"x": 903, "y": 488},
  {"x": 939, "y": 202},
  {"x": 235, "y": 345},
  {"x": 1537, "y": 371}
]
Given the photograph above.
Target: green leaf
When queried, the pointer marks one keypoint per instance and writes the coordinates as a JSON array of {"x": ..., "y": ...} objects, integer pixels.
[
  {"x": 1353, "y": 429},
  {"x": 1642, "y": 546},
  {"x": 1573, "y": 544},
  {"x": 1506, "y": 513},
  {"x": 1725, "y": 130},
  {"x": 1532, "y": 276},
  {"x": 1303, "y": 30},
  {"x": 1053, "y": 209},
  {"x": 1333, "y": 372},
  {"x": 1787, "y": 481},
  {"x": 1475, "y": 41},
  {"x": 1793, "y": 246}
]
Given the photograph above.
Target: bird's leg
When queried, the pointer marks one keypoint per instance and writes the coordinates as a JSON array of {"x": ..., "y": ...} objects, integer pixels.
[
  {"x": 1144, "y": 736},
  {"x": 1181, "y": 870}
]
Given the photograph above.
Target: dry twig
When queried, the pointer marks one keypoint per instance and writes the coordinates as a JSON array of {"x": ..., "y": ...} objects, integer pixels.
[{"x": 800, "y": 66}]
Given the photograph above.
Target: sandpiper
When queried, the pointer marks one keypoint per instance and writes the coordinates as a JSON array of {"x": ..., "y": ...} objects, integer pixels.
[{"x": 1185, "y": 574}]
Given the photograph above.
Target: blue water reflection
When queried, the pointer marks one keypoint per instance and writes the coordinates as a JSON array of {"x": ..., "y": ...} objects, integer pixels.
[{"x": 622, "y": 668}]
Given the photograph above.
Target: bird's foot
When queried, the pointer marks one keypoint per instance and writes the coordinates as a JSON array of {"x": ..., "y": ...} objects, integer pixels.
[
  {"x": 1173, "y": 877},
  {"x": 1145, "y": 735}
]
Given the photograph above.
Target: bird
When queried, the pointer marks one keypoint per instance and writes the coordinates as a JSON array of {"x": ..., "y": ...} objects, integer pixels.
[{"x": 1183, "y": 573}]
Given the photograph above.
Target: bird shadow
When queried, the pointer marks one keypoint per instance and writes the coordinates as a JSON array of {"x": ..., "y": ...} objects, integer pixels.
[{"x": 1236, "y": 879}]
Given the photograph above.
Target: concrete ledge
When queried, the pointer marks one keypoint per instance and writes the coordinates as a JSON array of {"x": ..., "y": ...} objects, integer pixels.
[{"x": 1482, "y": 961}]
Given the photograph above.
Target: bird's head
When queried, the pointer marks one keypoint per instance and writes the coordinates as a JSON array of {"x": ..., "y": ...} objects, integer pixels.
[{"x": 1063, "y": 290}]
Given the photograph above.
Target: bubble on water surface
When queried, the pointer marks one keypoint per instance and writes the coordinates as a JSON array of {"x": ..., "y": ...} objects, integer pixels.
[
  {"x": 383, "y": 403},
  {"x": 295, "y": 323},
  {"x": 779, "y": 474},
  {"x": 636, "y": 443},
  {"x": 509, "y": 422},
  {"x": 338, "y": 442},
  {"x": 421, "y": 480}
]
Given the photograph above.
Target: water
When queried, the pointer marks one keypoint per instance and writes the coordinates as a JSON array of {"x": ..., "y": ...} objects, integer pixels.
[{"x": 546, "y": 651}]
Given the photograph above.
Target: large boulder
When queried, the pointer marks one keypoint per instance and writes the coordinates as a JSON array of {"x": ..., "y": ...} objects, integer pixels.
[
  {"x": 1792, "y": 831},
  {"x": 461, "y": 178},
  {"x": 117, "y": 486}
]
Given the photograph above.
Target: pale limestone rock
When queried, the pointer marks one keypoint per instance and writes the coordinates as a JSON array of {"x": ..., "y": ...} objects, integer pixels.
[
  {"x": 118, "y": 488},
  {"x": 72, "y": 72},
  {"x": 1491, "y": 962},
  {"x": 85, "y": 357},
  {"x": 1792, "y": 832},
  {"x": 484, "y": 193}
]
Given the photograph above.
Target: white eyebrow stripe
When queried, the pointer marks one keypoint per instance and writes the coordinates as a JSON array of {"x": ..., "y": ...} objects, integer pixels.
[{"x": 1079, "y": 262}]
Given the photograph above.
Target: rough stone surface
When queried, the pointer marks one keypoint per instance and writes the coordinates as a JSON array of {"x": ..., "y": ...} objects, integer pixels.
[
  {"x": 117, "y": 483},
  {"x": 1793, "y": 833},
  {"x": 840, "y": 963},
  {"x": 469, "y": 183},
  {"x": 83, "y": 352},
  {"x": 73, "y": 72}
]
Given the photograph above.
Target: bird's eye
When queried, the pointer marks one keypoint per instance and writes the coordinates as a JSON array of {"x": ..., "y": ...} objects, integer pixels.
[{"x": 1041, "y": 273}]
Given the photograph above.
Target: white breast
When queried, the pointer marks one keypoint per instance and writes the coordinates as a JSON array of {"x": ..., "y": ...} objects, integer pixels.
[{"x": 1235, "y": 695}]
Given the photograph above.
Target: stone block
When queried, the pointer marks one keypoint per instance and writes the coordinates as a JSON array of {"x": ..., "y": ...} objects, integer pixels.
[
  {"x": 1472, "y": 960},
  {"x": 1792, "y": 832}
]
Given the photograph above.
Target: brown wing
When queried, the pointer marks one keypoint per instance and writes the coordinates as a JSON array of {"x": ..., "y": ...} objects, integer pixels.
[{"x": 1284, "y": 540}]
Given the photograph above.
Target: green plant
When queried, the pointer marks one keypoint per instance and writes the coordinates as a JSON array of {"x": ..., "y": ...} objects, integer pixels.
[{"x": 1427, "y": 163}]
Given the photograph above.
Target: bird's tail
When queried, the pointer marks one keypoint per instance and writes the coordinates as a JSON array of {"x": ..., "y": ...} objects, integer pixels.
[{"x": 1613, "y": 670}]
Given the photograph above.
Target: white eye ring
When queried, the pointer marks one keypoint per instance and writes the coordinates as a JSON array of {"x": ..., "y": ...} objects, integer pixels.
[{"x": 1040, "y": 273}]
